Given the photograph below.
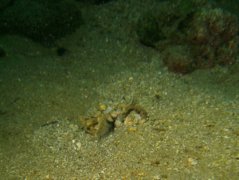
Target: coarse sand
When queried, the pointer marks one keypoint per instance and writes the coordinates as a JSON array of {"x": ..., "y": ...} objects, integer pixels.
[{"x": 192, "y": 130}]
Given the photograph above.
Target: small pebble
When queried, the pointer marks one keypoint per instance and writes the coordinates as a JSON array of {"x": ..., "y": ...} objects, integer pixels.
[
  {"x": 192, "y": 162},
  {"x": 78, "y": 146},
  {"x": 73, "y": 127}
]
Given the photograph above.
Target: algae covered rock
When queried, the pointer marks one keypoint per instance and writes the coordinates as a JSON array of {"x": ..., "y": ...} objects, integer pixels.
[
  {"x": 40, "y": 20},
  {"x": 178, "y": 59},
  {"x": 108, "y": 117},
  {"x": 209, "y": 34},
  {"x": 165, "y": 23},
  {"x": 213, "y": 37}
]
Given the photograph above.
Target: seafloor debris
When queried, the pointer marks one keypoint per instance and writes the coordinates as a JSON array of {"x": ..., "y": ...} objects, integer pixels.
[{"x": 107, "y": 118}]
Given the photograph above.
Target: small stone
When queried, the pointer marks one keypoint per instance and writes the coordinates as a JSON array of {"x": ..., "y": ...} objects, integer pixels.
[
  {"x": 129, "y": 121},
  {"x": 48, "y": 177},
  {"x": 78, "y": 146},
  {"x": 73, "y": 127},
  {"x": 102, "y": 107},
  {"x": 157, "y": 177},
  {"x": 118, "y": 123},
  {"x": 109, "y": 118},
  {"x": 131, "y": 78},
  {"x": 132, "y": 129},
  {"x": 192, "y": 162},
  {"x": 115, "y": 114}
]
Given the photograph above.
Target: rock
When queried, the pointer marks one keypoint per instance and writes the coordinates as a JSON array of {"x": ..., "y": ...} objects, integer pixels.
[
  {"x": 40, "y": 20},
  {"x": 178, "y": 59},
  {"x": 213, "y": 37},
  {"x": 2, "y": 52},
  {"x": 105, "y": 121},
  {"x": 192, "y": 35}
]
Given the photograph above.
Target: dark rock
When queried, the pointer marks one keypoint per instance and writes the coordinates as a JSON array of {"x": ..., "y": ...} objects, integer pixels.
[
  {"x": 213, "y": 37},
  {"x": 178, "y": 59},
  {"x": 5, "y": 4},
  {"x": 2, "y": 52},
  {"x": 210, "y": 35},
  {"x": 61, "y": 51},
  {"x": 149, "y": 30},
  {"x": 40, "y": 20}
]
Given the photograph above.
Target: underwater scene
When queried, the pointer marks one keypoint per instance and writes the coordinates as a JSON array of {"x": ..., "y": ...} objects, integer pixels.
[{"x": 119, "y": 89}]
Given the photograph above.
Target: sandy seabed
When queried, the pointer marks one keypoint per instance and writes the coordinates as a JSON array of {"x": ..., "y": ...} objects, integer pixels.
[{"x": 193, "y": 125}]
